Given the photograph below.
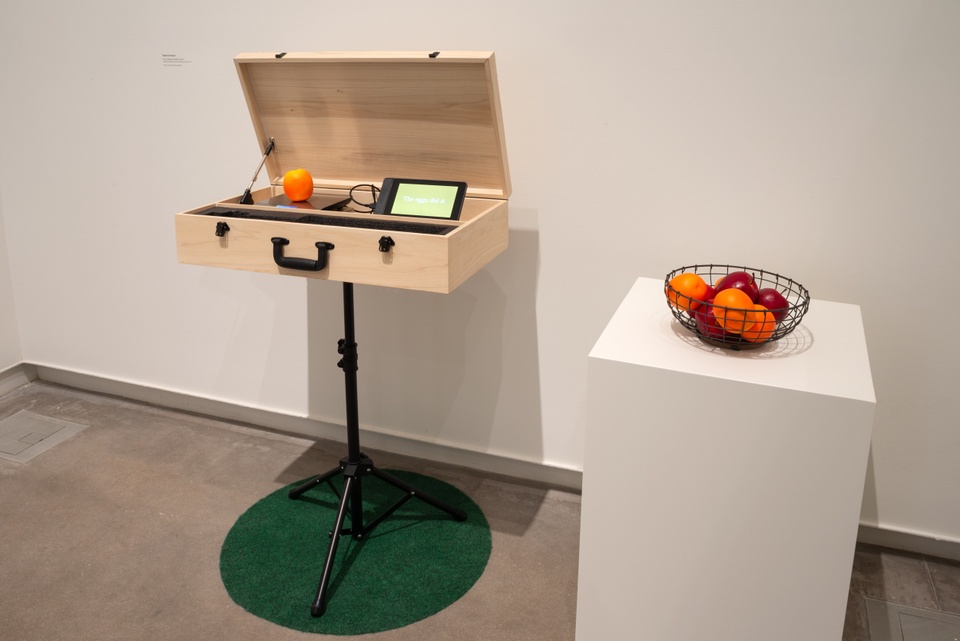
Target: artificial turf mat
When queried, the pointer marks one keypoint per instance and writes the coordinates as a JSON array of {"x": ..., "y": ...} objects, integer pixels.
[{"x": 414, "y": 564}]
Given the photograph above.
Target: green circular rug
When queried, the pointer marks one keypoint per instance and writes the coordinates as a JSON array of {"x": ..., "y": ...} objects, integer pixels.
[{"x": 414, "y": 564}]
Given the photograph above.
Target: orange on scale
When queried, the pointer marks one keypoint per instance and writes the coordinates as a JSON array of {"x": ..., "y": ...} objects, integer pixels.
[{"x": 298, "y": 185}]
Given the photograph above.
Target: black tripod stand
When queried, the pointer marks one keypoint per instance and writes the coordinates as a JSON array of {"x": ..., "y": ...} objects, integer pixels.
[{"x": 355, "y": 466}]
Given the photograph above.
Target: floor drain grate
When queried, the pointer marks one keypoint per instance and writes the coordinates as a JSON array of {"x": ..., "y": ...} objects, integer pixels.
[
  {"x": 25, "y": 434},
  {"x": 894, "y": 622}
]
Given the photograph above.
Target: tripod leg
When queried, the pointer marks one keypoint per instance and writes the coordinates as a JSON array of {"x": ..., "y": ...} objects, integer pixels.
[
  {"x": 314, "y": 482},
  {"x": 320, "y": 603},
  {"x": 455, "y": 512}
]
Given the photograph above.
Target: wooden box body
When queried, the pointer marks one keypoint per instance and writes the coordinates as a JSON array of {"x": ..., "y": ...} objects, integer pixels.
[{"x": 358, "y": 118}]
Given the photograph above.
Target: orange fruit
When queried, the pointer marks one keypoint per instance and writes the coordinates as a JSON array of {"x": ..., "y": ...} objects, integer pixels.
[
  {"x": 734, "y": 311},
  {"x": 687, "y": 291},
  {"x": 298, "y": 184},
  {"x": 764, "y": 327}
]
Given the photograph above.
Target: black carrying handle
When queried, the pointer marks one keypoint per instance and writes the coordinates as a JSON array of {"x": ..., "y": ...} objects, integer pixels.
[{"x": 303, "y": 264}]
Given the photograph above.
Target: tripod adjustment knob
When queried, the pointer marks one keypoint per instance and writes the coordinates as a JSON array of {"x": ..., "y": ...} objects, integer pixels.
[{"x": 349, "y": 351}]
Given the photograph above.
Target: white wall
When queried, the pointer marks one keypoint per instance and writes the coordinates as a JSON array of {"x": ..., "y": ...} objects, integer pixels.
[
  {"x": 817, "y": 139},
  {"x": 9, "y": 335}
]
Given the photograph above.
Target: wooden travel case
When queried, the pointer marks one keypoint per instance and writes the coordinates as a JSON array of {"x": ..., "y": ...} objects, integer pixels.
[{"x": 357, "y": 118}]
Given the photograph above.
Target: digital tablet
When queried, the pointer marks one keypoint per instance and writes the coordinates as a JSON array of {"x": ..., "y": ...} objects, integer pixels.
[{"x": 424, "y": 198}]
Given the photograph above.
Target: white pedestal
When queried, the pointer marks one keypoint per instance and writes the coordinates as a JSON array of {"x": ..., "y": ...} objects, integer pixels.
[{"x": 722, "y": 489}]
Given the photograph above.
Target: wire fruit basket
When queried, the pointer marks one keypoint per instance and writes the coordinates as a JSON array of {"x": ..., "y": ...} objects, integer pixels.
[{"x": 701, "y": 316}]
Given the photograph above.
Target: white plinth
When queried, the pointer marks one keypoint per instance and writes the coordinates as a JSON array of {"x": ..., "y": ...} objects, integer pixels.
[{"x": 722, "y": 489}]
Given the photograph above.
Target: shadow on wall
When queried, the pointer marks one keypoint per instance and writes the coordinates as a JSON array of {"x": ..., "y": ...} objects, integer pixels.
[
  {"x": 869, "y": 509},
  {"x": 458, "y": 369}
]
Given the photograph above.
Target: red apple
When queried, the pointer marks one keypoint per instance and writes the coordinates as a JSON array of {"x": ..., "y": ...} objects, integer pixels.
[
  {"x": 774, "y": 301},
  {"x": 740, "y": 280},
  {"x": 707, "y": 322},
  {"x": 711, "y": 292}
]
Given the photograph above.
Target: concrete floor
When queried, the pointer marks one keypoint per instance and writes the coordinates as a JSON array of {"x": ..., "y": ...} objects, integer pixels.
[
  {"x": 902, "y": 596},
  {"x": 115, "y": 533}
]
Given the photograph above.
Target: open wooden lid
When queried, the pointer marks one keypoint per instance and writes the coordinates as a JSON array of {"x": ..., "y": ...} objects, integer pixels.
[{"x": 351, "y": 118}]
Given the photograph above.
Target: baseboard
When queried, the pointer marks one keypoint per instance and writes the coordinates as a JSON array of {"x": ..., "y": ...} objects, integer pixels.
[
  {"x": 13, "y": 377},
  {"x": 23, "y": 373},
  {"x": 909, "y": 542},
  {"x": 373, "y": 438}
]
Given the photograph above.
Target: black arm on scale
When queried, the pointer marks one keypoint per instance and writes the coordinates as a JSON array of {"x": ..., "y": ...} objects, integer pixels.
[{"x": 246, "y": 198}]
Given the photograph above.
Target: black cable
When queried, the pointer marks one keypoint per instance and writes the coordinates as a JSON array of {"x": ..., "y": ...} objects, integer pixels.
[{"x": 374, "y": 192}]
